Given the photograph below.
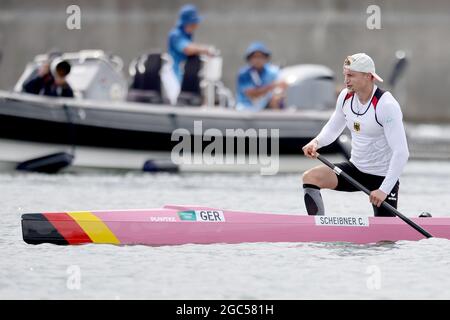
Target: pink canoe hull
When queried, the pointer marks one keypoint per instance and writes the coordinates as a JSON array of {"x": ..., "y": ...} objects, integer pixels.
[{"x": 175, "y": 225}]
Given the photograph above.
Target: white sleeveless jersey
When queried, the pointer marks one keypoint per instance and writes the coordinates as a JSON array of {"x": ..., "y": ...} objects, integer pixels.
[{"x": 379, "y": 145}]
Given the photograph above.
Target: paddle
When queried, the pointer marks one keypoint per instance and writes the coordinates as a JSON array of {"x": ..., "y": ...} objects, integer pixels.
[{"x": 359, "y": 186}]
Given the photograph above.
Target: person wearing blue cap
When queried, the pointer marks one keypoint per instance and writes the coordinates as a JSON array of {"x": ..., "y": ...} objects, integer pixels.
[
  {"x": 258, "y": 86},
  {"x": 180, "y": 42}
]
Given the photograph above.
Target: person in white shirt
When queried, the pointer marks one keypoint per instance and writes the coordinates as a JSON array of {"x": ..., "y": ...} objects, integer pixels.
[{"x": 379, "y": 147}]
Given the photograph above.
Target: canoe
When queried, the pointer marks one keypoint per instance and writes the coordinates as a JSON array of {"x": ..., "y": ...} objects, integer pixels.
[{"x": 177, "y": 225}]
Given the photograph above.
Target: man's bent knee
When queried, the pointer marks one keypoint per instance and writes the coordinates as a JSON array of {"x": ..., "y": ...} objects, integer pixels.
[
  {"x": 321, "y": 177},
  {"x": 311, "y": 177}
]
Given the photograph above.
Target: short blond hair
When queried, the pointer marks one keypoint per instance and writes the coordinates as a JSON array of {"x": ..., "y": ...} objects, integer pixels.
[{"x": 348, "y": 61}]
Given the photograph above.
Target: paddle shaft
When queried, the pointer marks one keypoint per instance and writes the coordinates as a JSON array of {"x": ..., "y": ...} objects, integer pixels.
[{"x": 386, "y": 205}]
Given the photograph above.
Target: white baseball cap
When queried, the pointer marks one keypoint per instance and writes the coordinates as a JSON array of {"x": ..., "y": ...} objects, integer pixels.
[{"x": 361, "y": 62}]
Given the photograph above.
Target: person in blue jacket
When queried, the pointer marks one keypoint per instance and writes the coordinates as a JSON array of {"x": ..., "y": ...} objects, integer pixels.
[
  {"x": 180, "y": 41},
  {"x": 258, "y": 86}
]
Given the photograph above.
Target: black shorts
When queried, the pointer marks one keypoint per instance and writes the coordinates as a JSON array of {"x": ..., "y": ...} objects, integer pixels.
[{"x": 371, "y": 182}]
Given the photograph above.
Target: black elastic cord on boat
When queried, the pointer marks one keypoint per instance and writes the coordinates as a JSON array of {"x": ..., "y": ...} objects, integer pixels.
[{"x": 72, "y": 130}]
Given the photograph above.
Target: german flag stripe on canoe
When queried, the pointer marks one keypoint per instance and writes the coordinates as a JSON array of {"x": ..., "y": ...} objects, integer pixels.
[
  {"x": 94, "y": 227},
  {"x": 37, "y": 229},
  {"x": 66, "y": 228}
]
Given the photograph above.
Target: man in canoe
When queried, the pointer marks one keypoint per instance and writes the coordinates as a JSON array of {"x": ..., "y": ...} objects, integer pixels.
[{"x": 379, "y": 147}]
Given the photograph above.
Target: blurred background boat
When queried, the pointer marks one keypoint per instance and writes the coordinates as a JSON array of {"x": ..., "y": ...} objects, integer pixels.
[{"x": 138, "y": 114}]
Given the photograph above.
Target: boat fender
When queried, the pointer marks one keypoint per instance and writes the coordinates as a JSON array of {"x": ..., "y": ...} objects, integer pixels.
[
  {"x": 160, "y": 166},
  {"x": 51, "y": 163}
]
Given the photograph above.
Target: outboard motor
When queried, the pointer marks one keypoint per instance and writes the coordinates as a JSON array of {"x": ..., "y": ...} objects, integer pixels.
[
  {"x": 191, "y": 94},
  {"x": 202, "y": 85},
  {"x": 153, "y": 80},
  {"x": 146, "y": 81},
  {"x": 310, "y": 87}
]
